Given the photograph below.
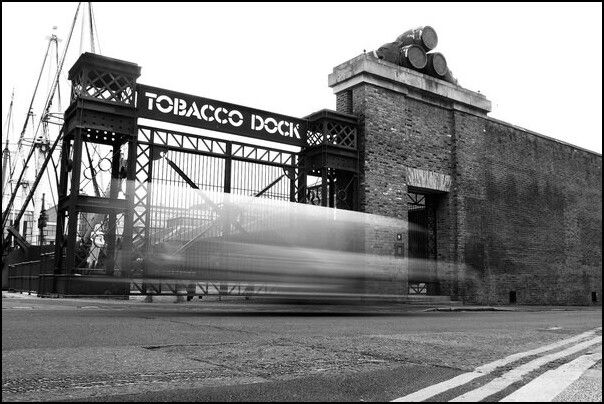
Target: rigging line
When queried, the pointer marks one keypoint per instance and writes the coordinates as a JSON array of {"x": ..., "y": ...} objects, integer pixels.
[
  {"x": 9, "y": 116},
  {"x": 21, "y": 136},
  {"x": 19, "y": 154},
  {"x": 57, "y": 62},
  {"x": 54, "y": 123},
  {"x": 52, "y": 194},
  {"x": 34, "y": 95},
  {"x": 6, "y": 151},
  {"x": 91, "y": 27},
  {"x": 82, "y": 34},
  {"x": 32, "y": 189},
  {"x": 49, "y": 70},
  {"x": 98, "y": 41},
  {"x": 59, "y": 69},
  {"x": 55, "y": 171},
  {"x": 31, "y": 151}
]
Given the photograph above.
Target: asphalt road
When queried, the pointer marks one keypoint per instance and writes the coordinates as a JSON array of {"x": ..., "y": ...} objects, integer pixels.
[{"x": 235, "y": 350}]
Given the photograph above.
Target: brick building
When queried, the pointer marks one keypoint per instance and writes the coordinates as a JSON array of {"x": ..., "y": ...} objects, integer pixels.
[{"x": 496, "y": 214}]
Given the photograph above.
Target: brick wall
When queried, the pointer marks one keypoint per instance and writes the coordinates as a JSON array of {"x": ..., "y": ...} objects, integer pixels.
[
  {"x": 531, "y": 213},
  {"x": 396, "y": 132},
  {"x": 382, "y": 186},
  {"x": 524, "y": 212}
]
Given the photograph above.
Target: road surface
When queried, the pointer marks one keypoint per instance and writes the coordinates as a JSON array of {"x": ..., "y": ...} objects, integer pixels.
[{"x": 237, "y": 350}]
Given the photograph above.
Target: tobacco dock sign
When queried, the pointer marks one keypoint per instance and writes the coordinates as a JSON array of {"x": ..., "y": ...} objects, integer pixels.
[{"x": 184, "y": 109}]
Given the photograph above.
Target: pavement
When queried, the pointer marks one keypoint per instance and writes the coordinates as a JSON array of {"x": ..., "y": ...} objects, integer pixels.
[{"x": 259, "y": 301}]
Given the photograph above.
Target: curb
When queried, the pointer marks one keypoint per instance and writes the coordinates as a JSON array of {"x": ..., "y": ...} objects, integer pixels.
[{"x": 470, "y": 309}]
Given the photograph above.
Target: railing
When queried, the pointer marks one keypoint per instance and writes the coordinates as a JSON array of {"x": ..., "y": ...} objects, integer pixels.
[{"x": 25, "y": 276}]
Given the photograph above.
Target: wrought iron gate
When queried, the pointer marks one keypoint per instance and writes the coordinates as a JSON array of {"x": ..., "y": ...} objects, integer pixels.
[
  {"x": 422, "y": 243},
  {"x": 169, "y": 161},
  {"x": 143, "y": 212}
]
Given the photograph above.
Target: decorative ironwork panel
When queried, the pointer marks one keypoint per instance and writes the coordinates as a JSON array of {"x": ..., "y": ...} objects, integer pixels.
[
  {"x": 182, "y": 141},
  {"x": 141, "y": 196},
  {"x": 104, "y": 86},
  {"x": 416, "y": 201},
  {"x": 211, "y": 146},
  {"x": 418, "y": 288},
  {"x": 264, "y": 155},
  {"x": 333, "y": 133},
  {"x": 332, "y": 128},
  {"x": 345, "y": 189},
  {"x": 100, "y": 78}
]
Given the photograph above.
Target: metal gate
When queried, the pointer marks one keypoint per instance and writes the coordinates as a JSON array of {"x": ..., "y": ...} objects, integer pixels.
[
  {"x": 168, "y": 220},
  {"x": 422, "y": 243},
  {"x": 148, "y": 209}
]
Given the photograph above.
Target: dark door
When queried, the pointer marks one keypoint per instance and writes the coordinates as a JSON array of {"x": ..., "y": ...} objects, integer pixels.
[
  {"x": 418, "y": 245},
  {"x": 422, "y": 244}
]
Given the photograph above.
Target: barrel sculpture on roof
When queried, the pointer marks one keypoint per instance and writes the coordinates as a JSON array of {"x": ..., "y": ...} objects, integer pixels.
[
  {"x": 436, "y": 65},
  {"x": 413, "y": 48},
  {"x": 423, "y": 36},
  {"x": 411, "y": 56}
]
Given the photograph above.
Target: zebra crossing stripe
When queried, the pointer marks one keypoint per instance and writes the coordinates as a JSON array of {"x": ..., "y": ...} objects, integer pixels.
[
  {"x": 553, "y": 382},
  {"x": 483, "y": 370},
  {"x": 516, "y": 374}
]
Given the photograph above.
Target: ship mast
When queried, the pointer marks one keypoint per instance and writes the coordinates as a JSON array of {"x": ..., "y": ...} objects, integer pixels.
[
  {"x": 41, "y": 146},
  {"x": 21, "y": 181},
  {"x": 44, "y": 116},
  {"x": 6, "y": 163}
]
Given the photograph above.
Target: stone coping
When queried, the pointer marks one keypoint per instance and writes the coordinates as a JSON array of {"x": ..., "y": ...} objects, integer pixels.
[{"x": 368, "y": 68}]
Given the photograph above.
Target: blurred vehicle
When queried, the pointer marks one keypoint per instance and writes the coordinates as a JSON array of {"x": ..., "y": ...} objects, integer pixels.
[{"x": 291, "y": 250}]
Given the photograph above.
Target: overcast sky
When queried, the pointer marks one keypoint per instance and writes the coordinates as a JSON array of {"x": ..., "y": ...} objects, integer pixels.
[{"x": 540, "y": 64}]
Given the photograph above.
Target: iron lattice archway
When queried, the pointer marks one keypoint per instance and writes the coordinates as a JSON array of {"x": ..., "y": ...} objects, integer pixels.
[
  {"x": 135, "y": 215},
  {"x": 167, "y": 216}
]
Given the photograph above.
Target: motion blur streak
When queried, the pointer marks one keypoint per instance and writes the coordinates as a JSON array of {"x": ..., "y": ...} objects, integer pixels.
[
  {"x": 287, "y": 249},
  {"x": 296, "y": 249}
]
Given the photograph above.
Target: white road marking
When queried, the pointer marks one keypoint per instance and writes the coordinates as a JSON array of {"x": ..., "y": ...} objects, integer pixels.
[
  {"x": 489, "y": 367},
  {"x": 516, "y": 374},
  {"x": 553, "y": 382},
  {"x": 438, "y": 388},
  {"x": 462, "y": 379}
]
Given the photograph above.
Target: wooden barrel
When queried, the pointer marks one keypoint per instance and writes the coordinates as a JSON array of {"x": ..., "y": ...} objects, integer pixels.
[
  {"x": 423, "y": 36},
  {"x": 437, "y": 65},
  {"x": 413, "y": 56},
  {"x": 390, "y": 52}
]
